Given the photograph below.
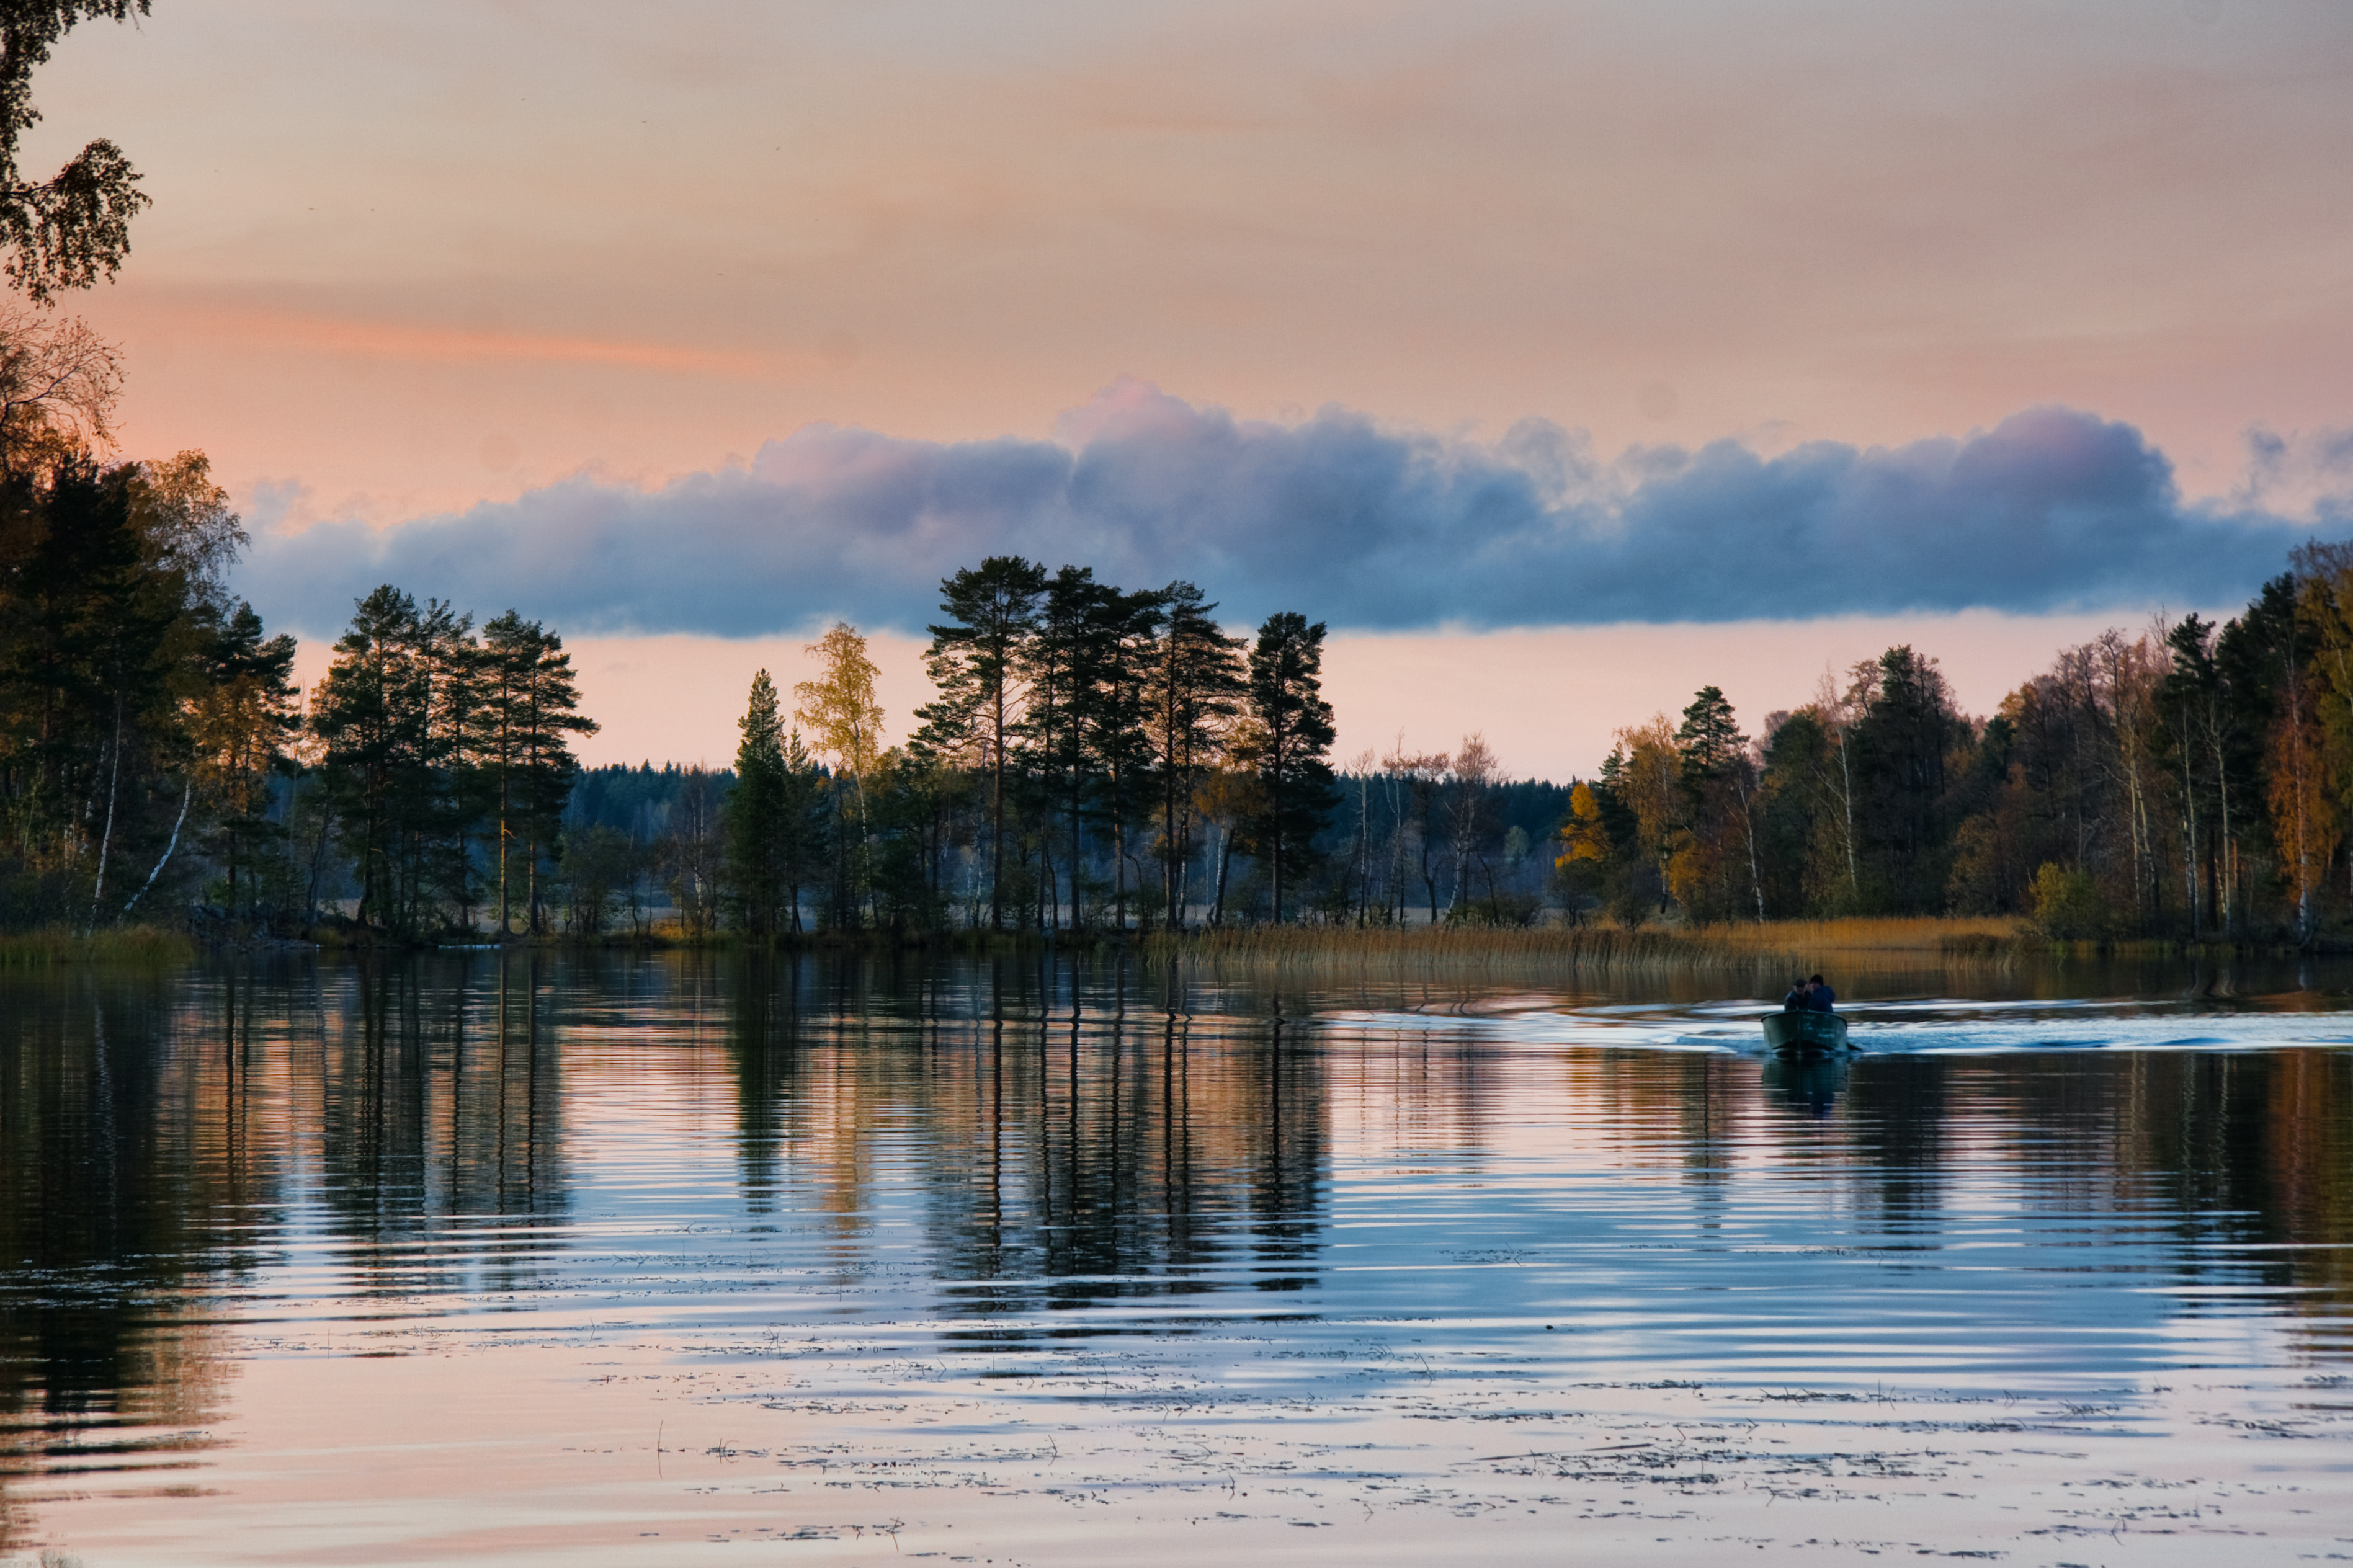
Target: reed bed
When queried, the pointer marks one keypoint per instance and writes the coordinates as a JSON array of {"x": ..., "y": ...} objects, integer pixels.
[
  {"x": 145, "y": 946},
  {"x": 1789, "y": 946},
  {"x": 1943, "y": 935}
]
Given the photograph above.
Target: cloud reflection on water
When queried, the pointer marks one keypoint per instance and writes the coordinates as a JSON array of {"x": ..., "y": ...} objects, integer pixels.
[{"x": 1037, "y": 1189}]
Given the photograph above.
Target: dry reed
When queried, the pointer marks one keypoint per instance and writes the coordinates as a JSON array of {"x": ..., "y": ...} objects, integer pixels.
[
  {"x": 137, "y": 946},
  {"x": 1783, "y": 946}
]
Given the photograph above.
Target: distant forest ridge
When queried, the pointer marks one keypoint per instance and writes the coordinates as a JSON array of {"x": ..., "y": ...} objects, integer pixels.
[{"x": 637, "y": 800}]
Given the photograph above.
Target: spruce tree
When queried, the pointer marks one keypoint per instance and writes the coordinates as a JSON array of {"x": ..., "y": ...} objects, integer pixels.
[
  {"x": 755, "y": 813},
  {"x": 803, "y": 817}
]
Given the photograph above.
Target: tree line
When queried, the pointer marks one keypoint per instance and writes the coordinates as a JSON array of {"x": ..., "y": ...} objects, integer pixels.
[
  {"x": 1094, "y": 755},
  {"x": 142, "y": 709},
  {"x": 154, "y": 751},
  {"x": 2193, "y": 780},
  {"x": 155, "y": 754}
]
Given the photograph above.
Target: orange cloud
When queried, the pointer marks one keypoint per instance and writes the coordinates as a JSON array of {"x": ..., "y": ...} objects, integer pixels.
[{"x": 456, "y": 345}]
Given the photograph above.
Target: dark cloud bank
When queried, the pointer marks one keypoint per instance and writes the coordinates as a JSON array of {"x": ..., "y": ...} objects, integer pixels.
[{"x": 1353, "y": 523}]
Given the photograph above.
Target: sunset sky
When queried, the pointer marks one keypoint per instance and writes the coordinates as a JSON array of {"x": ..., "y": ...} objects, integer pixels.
[{"x": 1562, "y": 357}]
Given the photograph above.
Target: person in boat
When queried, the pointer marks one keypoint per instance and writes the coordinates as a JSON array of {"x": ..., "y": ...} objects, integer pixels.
[
  {"x": 1820, "y": 997},
  {"x": 1794, "y": 1002}
]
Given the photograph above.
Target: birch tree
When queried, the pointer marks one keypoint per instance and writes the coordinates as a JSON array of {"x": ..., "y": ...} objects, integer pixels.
[{"x": 843, "y": 720}]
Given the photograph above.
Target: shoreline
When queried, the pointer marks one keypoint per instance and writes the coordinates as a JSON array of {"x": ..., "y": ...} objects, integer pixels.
[
  {"x": 1926, "y": 942},
  {"x": 1929, "y": 940}
]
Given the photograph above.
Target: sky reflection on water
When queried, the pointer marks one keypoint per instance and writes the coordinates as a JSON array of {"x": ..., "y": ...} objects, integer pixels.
[{"x": 540, "y": 1259}]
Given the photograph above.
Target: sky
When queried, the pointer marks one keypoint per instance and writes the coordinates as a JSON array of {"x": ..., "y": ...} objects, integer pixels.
[{"x": 1562, "y": 358}]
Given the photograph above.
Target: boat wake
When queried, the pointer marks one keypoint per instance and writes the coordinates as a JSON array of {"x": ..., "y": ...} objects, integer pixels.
[{"x": 1922, "y": 1027}]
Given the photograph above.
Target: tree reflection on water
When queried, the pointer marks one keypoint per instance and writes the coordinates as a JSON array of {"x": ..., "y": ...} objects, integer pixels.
[{"x": 1087, "y": 1145}]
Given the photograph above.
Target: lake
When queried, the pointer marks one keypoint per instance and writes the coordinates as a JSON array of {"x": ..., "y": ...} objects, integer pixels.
[{"x": 539, "y": 1258}]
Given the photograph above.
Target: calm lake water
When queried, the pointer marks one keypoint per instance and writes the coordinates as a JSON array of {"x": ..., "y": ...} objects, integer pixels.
[{"x": 536, "y": 1260}]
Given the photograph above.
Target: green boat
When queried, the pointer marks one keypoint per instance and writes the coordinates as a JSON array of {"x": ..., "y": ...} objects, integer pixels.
[{"x": 1794, "y": 1034}]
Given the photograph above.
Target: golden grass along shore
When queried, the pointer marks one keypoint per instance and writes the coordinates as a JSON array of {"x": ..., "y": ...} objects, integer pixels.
[
  {"x": 1790, "y": 945},
  {"x": 149, "y": 945}
]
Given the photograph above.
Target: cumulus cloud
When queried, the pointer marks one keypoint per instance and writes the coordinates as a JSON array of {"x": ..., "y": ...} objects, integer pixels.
[
  {"x": 2306, "y": 472},
  {"x": 1347, "y": 519}
]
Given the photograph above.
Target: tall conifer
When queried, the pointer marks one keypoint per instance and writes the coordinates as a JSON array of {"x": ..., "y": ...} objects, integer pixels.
[
  {"x": 755, "y": 813},
  {"x": 976, "y": 660},
  {"x": 1195, "y": 688},
  {"x": 1290, "y": 742}
]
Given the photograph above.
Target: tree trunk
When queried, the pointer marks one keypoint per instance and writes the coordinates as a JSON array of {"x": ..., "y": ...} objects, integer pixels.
[
  {"x": 1749, "y": 828},
  {"x": 2189, "y": 833},
  {"x": 186, "y": 793},
  {"x": 1075, "y": 855},
  {"x": 1846, "y": 796},
  {"x": 995, "y": 812},
  {"x": 1274, "y": 838},
  {"x": 2229, "y": 866},
  {"x": 106, "y": 839},
  {"x": 1184, "y": 889},
  {"x": 1225, "y": 864},
  {"x": 1118, "y": 854}
]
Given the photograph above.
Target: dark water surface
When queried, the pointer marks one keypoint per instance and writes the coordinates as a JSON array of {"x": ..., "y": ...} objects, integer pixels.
[{"x": 531, "y": 1259}]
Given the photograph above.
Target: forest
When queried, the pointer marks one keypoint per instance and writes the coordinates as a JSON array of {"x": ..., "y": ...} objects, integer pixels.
[
  {"x": 1096, "y": 758},
  {"x": 2190, "y": 784},
  {"x": 157, "y": 761}
]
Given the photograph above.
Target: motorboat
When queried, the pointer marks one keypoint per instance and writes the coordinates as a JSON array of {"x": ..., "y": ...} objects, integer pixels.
[{"x": 1791, "y": 1033}]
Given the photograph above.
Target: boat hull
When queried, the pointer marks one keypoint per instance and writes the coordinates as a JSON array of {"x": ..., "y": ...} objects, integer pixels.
[{"x": 1805, "y": 1034}]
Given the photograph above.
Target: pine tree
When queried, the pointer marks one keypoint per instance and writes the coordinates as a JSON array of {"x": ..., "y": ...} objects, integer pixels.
[
  {"x": 1718, "y": 779},
  {"x": 528, "y": 707},
  {"x": 976, "y": 660},
  {"x": 1060, "y": 669},
  {"x": 240, "y": 723},
  {"x": 1195, "y": 691},
  {"x": 1289, "y": 744},
  {"x": 1112, "y": 706},
  {"x": 382, "y": 758}
]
